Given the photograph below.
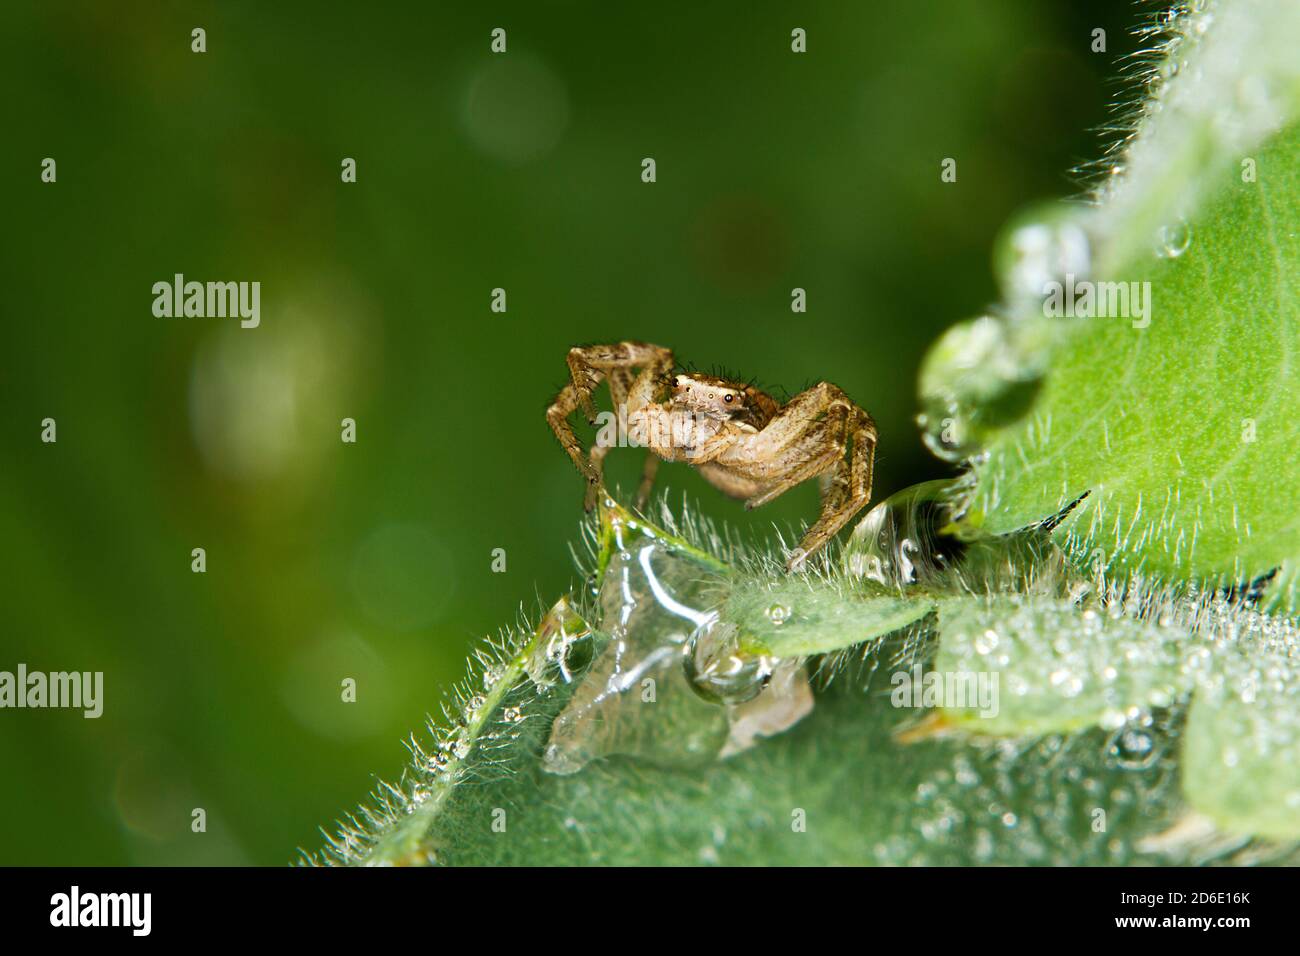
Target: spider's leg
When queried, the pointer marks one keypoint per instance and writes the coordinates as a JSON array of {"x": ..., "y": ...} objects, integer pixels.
[
  {"x": 818, "y": 432},
  {"x": 620, "y": 383},
  {"x": 864, "y": 437},
  {"x": 620, "y": 379},
  {"x": 815, "y": 453},
  {"x": 852, "y": 483},
  {"x": 656, "y": 367},
  {"x": 809, "y": 427},
  {"x": 794, "y": 419},
  {"x": 588, "y": 363},
  {"x": 648, "y": 472},
  {"x": 849, "y": 489},
  {"x": 558, "y": 417},
  {"x": 597, "y": 458},
  {"x": 640, "y": 394}
]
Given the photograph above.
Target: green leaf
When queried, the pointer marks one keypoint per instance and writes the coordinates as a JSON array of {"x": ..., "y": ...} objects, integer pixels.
[
  {"x": 837, "y": 789},
  {"x": 1241, "y": 754},
  {"x": 1058, "y": 667},
  {"x": 797, "y": 617},
  {"x": 564, "y": 759},
  {"x": 839, "y": 784},
  {"x": 1182, "y": 431}
]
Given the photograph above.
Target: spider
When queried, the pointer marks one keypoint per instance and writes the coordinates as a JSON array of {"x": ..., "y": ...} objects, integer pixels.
[{"x": 744, "y": 442}]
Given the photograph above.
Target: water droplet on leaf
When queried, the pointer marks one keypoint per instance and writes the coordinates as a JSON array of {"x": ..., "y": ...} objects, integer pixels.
[
  {"x": 1173, "y": 240},
  {"x": 1039, "y": 247},
  {"x": 979, "y": 376}
]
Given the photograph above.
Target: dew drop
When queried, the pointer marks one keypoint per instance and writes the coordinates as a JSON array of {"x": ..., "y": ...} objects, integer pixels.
[
  {"x": 778, "y": 614},
  {"x": 978, "y": 376},
  {"x": 1112, "y": 719},
  {"x": 986, "y": 642},
  {"x": 1173, "y": 240},
  {"x": 634, "y": 698},
  {"x": 562, "y": 647},
  {"x": 717, "y": 669},
  {"x": 1041, "y": 247},
  {"x": 1132, "y": 748},
  {"x": 899, "y": 544}
]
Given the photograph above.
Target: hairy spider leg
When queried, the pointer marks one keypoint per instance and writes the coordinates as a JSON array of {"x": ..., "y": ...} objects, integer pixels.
[{"x": 588, "y": 366}]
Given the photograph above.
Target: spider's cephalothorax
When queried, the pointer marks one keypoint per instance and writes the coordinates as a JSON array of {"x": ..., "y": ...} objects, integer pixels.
[{"x": 742, "y": 440}]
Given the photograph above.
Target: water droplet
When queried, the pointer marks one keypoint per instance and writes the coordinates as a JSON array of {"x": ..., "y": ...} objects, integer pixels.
[
  {"x": 1112, "y": 718},
  {"x": 1041, "y": 246},
  {"x": 1132, "y": 748},
  {"x": 1067, "y": 682},
  {"x": 1173, "y": 240},
  {"x": 669, "y": 683},
  {"x": 978, "y": 376},
  {"x": 635, "y": 698},
  {"x": 899, "y": 543},
  {"x": 718, "y": 670},
  {"x": 778, "y": 614},
  {"x": 986, "y": 642},
  {"x": 562, "y": 647}
]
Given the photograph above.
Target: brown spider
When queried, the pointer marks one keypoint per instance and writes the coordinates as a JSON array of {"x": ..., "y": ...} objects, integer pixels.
[{"x": 743, "y": 441}]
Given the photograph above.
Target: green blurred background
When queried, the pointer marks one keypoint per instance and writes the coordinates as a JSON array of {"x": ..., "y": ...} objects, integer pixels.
[{"x": 475, "y": 171}]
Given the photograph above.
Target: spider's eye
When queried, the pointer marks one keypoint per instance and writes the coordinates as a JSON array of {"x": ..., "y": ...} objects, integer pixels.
[{"x": 728, "y": 397}]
